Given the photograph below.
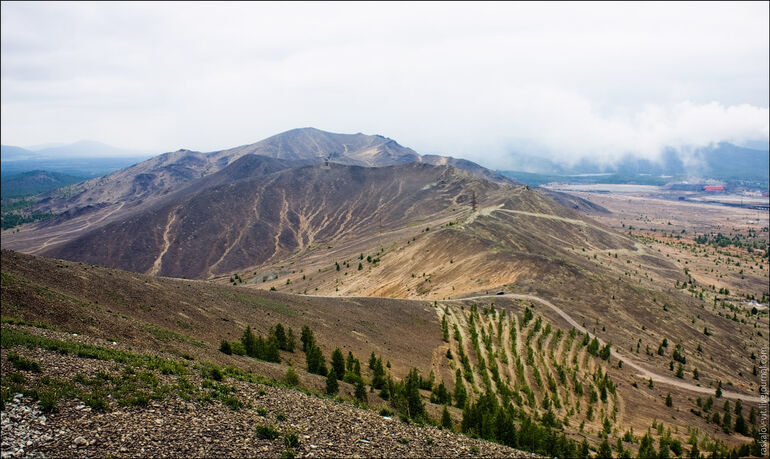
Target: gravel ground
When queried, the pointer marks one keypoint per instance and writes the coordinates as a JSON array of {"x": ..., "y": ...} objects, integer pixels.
[{"x": 173, "y": 427}]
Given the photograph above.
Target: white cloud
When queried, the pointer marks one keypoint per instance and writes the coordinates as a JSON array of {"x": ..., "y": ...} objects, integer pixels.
[{"x": 463, "y": 79}]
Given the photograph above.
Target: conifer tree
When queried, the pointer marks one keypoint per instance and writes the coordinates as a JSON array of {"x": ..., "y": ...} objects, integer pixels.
[
  {"x": 360, "y": 391},
  {"x": 249, "y": 341},
  {"x": 338, "y": 363},
  {"x": 446, "y": 419},
  {"x": 332, "y": 386},
  {"x": 280, "y": 336},
  {"x": 291, "y": 341},
  {"x": 605, "y": 452},
  {"x": 460, "y": 393},
  {"x": 308, "y": 342}
]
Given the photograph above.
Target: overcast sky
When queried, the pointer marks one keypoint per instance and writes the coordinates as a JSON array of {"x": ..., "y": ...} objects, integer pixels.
[{"x": 468, "y": 80}]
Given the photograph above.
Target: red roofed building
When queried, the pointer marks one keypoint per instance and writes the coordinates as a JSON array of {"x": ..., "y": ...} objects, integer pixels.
[{"x": 714, "y": 188}]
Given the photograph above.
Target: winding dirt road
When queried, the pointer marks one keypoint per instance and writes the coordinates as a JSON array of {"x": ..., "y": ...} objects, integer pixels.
[{"x": 643, "y": 372}]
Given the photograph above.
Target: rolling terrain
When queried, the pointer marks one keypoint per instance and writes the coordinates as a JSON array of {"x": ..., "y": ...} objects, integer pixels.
[
  {"x": 516, "y": 347},
  {"x": 569, "y": 327}
]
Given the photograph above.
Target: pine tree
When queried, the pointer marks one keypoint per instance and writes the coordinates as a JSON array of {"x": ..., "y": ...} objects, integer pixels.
[
  {"x": 647, "y": 448},
  {"x": 605, "y": 352},
  {"x": 669, "y": 401},
  {"x": 315, "y": 361},
  {"x": 308, "y": 342},
  {"x": 584, "y": 451},
  {"x": 249, "y": 341},
  {"x": 446, "y": 419},
  {"x": 280, "y": 336},
  {"x": 271, "y": 351},
  {"x": 291, "y": 341},
  {"x": 372, "y": 361},
  {"x": 605, "y": 452},
  {"x": 332, "y": 386},
  {"x": 360, "y": 391},
  {"x": 727, "y": 422},
  {"x": 695, "y": 452},
  {"x": 378, "y": 374},
  {"x": 441, "y": 395},
  {"x": 460, "y": 393},
  {"x": 740, "y": 425},
  {"x": 224, "y": 346},
  {"x": 593, "y": 348},
  {"x": 407, "y": 395},
  {"x": 445, "y": 329},
  {"x": 680, "y": 372},
  {"x": 338, "y": 363}
]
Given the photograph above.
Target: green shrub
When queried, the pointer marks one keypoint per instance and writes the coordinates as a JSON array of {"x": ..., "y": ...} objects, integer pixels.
[
  {"x": 232, "y": 402},
  {"x": 95, "y": 401},
  {"x": 291, "y": 377},
  {"x": 267, "y": 432},
  {"x": 49, "y": 401},
  {"x": 291, "y": 440},
  {"x": 216, "y": 374},
  {"x": 237, "y": 348},
  {"x": 23, "y": 363}
]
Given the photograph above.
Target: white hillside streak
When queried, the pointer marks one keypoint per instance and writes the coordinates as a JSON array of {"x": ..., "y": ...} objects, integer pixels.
[{"x": 166, "y": 244}]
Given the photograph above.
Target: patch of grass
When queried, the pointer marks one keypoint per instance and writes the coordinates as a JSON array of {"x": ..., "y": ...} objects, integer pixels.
[
  {"x": 261, "y": 411},
  {"x": 261, "y": 303},
  {"x": 165, "y": 335},
  {"x": 18, "y": 321},
  {"x": 267, "y": 432},
  {"x": 22, "y": 363},
  {"x": 96, "y": 401},
  {"x": 291, "y": 440},
  {"x": 232, "y": 402},
  {"x": 45, "y": 390},
  {"x": 280, "y": 417},
  {"x": 10, "y": 338},
  {"x": 49, "y": 401}
]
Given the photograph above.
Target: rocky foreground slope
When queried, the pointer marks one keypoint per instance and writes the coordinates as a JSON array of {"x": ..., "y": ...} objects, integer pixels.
[{"x": 123, "y": 404}]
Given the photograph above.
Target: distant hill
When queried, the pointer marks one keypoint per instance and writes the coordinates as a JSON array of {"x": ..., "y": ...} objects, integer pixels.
[
  {"x": 146, "y": 181},
  {"x": 35, "y": 182},
  {"x": 257, "y": 210},
  {"x": 84, "y": 158}
]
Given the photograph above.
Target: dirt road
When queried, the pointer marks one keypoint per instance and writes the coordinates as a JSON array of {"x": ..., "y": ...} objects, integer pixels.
[{"x": 643, "y": 372}]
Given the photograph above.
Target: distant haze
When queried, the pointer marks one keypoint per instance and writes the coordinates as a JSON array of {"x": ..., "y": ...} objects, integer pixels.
[{"x": 478, "y": 81}]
